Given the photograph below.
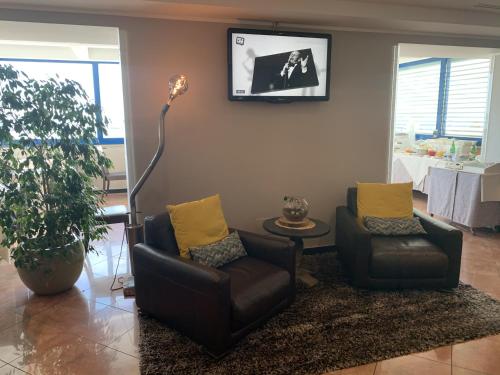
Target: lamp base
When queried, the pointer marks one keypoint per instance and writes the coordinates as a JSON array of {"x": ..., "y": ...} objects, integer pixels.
[
  {"x": 129, "y": 287},
  {"x": 135, "y": 234}
]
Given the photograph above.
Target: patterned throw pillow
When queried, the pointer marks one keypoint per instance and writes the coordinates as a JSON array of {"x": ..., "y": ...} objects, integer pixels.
[
  {"x": 394, "y": 226},
  {"x": 219, "y": 253}
]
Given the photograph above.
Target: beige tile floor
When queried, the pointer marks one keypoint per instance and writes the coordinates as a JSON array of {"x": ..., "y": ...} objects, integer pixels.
[{"x": 91, "y": 330}]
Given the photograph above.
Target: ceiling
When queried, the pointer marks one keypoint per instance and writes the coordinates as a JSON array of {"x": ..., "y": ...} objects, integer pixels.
[
  {"x": 443, "y": 4},
  {"x": 452, "y": 17}
]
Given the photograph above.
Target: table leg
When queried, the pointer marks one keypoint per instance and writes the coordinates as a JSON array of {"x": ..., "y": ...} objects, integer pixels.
[{"x": 300, "y": 273}]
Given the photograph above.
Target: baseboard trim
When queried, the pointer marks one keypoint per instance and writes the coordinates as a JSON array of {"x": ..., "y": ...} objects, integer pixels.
[
  {"x": 320, "y": 250},
  {"x": 113, "y": 191}
]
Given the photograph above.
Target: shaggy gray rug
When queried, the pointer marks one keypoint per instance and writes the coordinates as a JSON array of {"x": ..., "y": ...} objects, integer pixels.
[{"x": 332, "y": 326}]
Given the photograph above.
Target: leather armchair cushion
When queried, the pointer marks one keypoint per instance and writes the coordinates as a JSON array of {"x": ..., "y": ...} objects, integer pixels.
[
  {"x": 219, "y": 253},
  {"x": 198, "y": 223},
  {"x": 385, "y": 200},
  {"x": 404, "y": 257},
  {"x": 255, "y": 288}
]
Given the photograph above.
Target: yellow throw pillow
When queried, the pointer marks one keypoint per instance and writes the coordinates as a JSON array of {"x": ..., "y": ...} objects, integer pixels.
[
  {"x": 385, "y": 200},
  {"x": 198, "y": 223}
]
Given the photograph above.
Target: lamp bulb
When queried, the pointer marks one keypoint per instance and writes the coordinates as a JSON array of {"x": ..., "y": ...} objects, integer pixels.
[{"x": 177, "y": 85}]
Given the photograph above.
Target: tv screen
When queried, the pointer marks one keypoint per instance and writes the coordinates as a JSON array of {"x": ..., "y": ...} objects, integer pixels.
[{"x": 278, "y": 66}]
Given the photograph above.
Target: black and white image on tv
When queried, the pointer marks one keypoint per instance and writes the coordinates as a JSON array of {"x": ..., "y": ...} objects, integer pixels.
[{"x": 284, "y": 71}]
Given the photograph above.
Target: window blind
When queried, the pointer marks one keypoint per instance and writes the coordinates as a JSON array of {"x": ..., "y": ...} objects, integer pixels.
[
  {"x": 467, "y": 102},
  {"x": 417, "y": 96}
]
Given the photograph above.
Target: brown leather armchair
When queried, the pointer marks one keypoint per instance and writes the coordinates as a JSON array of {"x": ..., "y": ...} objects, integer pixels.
[
  {"x": 423, "y": 261},
  {"x": 214, "y": 306}
]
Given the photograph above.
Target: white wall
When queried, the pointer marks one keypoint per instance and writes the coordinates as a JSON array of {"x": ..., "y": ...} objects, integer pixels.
[
  {"x": 58, "y": 33},
  {"x": 58, "y": 52},
  {"x": 422, "y": 51},
  {"x": 491, "y": 144},
  {"x": 117, "y": 155}
]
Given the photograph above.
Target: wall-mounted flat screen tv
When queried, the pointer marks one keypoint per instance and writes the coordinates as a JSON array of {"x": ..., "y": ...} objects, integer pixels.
[{"x": 278, "y": 66}]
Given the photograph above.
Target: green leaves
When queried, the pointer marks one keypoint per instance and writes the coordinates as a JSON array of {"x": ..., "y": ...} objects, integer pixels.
[{"x": 47, "y": 162}]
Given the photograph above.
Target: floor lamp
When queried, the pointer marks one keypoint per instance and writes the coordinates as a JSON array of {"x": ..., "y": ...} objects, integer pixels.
[{"x": 178, "y": 85}]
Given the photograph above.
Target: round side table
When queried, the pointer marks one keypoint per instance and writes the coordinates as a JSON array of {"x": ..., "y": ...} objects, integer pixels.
[{"x": 297, "y": 236}]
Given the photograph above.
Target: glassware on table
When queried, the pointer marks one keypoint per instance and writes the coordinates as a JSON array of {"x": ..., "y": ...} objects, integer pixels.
[{"x": 295, "y": 208}]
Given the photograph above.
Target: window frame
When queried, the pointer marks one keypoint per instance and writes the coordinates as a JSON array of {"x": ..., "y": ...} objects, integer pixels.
[
  {"x": 100, "y": 139},
  {"x": 444, "y": 79}
]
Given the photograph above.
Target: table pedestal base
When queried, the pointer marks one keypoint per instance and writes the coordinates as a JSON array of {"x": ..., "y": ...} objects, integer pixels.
[
  {"x": 297, "y": 235},
  {"x": 305, "y": 277},
  {"x": 301, "y": 274}
]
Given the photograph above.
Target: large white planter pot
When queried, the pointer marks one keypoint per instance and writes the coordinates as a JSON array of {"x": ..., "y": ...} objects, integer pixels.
[{"x": 57, "y": 273}]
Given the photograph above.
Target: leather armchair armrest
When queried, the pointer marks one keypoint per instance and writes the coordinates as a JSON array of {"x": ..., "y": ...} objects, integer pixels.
[
  {"x": 183, "y": 271},
  {"x": 448, "y": 238},
  {"x": 354, "y": 243},
  {"x": 192, "y": 297},
  {"x": 278, "y": 251}
]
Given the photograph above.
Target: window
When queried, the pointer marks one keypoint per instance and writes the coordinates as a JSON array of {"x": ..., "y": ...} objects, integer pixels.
[
  {"x": 100, "y": 80},
  {"x": 82, "y": 73},
  {"x": 468, "y": 90},
  {"x": 111, "y": 97},
  {"x": 448, "y": 97},
  {"x": 417, "y": 98}
]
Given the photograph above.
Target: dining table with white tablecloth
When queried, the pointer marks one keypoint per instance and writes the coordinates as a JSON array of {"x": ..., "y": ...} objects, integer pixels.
[
  {"x": 467, "y": 198},
  {"x": 415, "y": 168}
]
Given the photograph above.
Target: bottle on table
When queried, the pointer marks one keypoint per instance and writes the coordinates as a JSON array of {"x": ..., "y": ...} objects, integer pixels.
[{"x": 453, "y": 151}]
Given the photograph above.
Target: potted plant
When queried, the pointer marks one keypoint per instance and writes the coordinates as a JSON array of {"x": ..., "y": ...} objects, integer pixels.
[{"x": 48, "y": 161}]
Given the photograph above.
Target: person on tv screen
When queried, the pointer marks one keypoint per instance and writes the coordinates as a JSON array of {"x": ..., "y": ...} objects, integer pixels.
[
  {"x": 284, "y": 71},
  {"x": 295, "y": 72}
]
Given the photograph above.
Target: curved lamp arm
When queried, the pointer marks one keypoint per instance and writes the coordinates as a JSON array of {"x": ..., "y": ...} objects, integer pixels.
[
  {"x": 152, "y": 164},
  {"x": 177, "y": 85}
]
